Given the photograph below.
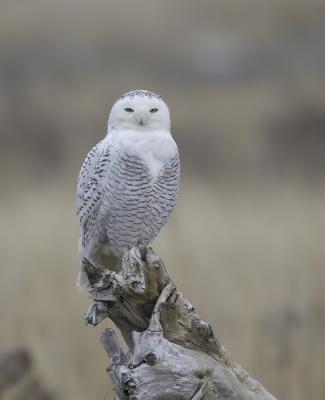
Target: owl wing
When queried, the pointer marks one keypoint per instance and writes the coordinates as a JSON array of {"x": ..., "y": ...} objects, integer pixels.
[
  {"x": 90, "y": 180},
  {"x": 165, "y": 194}
]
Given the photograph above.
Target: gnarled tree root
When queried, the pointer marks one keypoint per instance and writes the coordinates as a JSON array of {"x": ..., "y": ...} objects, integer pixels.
[{"x": 173, "y": 354}]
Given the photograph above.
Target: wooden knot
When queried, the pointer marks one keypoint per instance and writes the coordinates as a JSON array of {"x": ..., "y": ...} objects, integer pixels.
[{"x": 150, "y": 358}]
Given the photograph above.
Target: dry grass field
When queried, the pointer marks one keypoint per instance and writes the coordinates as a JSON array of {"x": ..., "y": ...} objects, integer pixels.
[
  {"x": 250, "y": 260},
  {"x": 244, "y": 81}
]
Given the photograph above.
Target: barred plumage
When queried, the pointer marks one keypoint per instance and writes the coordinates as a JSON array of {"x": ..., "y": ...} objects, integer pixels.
[{"x": 128, "y": 184}]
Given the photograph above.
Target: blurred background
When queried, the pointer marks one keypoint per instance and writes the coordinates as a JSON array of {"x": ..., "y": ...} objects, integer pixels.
[{"x": 245, "y": 84}]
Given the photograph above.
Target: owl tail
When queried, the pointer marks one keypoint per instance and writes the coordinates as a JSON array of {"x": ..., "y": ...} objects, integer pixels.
[{"x": 82, "y": 279}]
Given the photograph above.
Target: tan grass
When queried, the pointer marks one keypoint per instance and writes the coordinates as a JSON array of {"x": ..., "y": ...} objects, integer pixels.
[{"x": 250, "y": 259}]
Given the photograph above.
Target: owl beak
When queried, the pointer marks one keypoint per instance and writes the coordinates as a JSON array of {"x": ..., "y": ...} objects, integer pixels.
[{"x": 141, "y": 119}]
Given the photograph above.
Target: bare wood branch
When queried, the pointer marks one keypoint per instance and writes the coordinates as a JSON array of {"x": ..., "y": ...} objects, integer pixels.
[{"x": 173, "y": 354}]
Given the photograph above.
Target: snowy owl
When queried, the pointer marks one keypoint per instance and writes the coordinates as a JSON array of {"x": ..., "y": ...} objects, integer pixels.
[{"x": 128, "y": 183}]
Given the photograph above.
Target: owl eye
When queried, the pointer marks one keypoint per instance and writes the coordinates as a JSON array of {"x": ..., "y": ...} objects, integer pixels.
[
  {"x": 153, "y": 110},
  {"x": 128, "y": 109}
]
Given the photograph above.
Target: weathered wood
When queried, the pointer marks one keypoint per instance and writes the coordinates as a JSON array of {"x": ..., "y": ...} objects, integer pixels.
[
  {"x": 173, "y": 354},
  {"x": 18, "y": 377},
  {"x": 13, "y": 366}
]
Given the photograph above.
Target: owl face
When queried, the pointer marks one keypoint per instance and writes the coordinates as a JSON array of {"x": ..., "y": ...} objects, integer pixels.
[{"x": 140, "y": 110}]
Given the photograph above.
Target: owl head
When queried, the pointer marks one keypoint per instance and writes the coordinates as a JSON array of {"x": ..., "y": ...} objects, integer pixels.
[{"x": 139, "y": 110}]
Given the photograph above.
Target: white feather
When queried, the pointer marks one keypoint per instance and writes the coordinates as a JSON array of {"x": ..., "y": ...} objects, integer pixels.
[
  {"x": 128, "y": 184},
  {"x": 154, "y": 148}
]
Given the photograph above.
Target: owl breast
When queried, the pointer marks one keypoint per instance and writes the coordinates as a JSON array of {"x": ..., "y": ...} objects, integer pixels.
[{"x": 137, "y": 200}]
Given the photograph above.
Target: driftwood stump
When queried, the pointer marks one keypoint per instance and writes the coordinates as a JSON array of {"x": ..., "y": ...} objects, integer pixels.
[
  {"x": 18, "y": 379},
  {"x": 173, "y": 354}
]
